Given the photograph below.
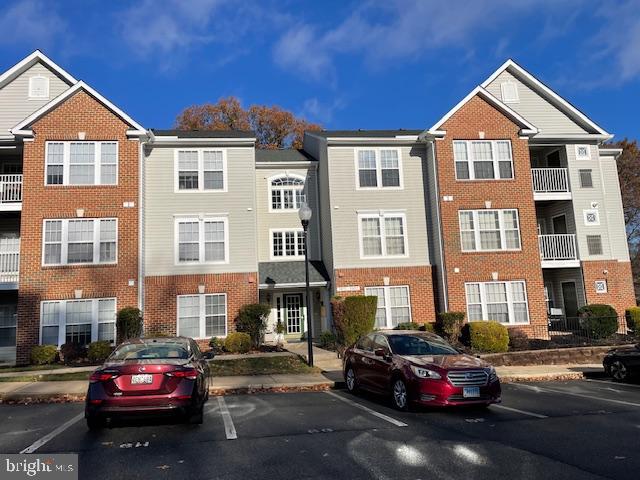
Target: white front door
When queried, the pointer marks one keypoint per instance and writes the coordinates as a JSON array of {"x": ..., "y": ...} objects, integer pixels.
[{"x": 293, "y": 313}]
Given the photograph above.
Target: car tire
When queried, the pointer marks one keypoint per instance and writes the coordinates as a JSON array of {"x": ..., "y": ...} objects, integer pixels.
[
  {"x": 399, "y": 394},
  {"x": 196, "y": 417},
  {"x": 619, "y": 371},
  {"x": 94, "y": 423},
  {"x": 351, "y": 380}
]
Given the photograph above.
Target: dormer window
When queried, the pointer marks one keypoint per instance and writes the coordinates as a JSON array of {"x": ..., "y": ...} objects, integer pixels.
[
  {"x": 509, "y": 92},
  {"x": 38, "y": 87},
  {"x": 287, "y": 192}
]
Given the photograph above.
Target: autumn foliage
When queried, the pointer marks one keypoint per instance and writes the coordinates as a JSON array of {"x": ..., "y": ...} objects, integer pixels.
[{"x": 274, "y": 127}]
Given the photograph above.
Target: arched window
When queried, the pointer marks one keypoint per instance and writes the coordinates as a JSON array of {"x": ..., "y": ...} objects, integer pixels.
[{"x": 287, "y": 192}]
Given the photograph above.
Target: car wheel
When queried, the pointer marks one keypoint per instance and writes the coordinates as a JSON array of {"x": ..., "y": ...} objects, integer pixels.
[
  {"x": 619, "y": 371},
  {"x": 351, "y": 381},
  {"x": 95, "y": 423},
  {"x": 400, "y": 395}
]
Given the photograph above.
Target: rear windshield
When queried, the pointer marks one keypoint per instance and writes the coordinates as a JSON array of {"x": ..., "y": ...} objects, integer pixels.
[
  {"x": 141, "y": 351},
  {"x": 416, "y": 345}
]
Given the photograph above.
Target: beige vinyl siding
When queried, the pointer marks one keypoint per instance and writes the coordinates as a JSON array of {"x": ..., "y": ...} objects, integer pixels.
[
  {"x": 15, "y": 104},
  {"x": 162, "y": 204},
  {"x": 347, "y": 202},
  {"x": 546, "y": 212},
  {"x": 535, "y": 109},
  {"x": 613, "y": 207},
  {"x": 555, "y": 277}
]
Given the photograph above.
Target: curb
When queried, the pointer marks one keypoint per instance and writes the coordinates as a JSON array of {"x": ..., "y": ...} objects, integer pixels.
[
  {"x": 549, "y": 377},
  {"x": 251, "y": 389}
]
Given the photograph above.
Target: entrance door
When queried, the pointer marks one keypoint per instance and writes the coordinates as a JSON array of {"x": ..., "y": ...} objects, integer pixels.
[
  {"x": 570, "y": 299},
  {"x": 560, "y": 224},
  {"x": 293, "y": 312}
]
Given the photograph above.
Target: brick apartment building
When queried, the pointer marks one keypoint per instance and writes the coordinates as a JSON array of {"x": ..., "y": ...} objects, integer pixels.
[{"x": 507, "y": 208}]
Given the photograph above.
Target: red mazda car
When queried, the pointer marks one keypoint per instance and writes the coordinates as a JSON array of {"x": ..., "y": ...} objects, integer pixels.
[
  {"x": 419, "y": 368},
  {"x": 149, "y": 376}
]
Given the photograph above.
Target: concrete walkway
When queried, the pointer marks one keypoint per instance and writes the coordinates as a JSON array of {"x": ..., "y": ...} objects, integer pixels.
[
  {"x": 325, "y": 360},
  {"x": 27, "y": 373}
]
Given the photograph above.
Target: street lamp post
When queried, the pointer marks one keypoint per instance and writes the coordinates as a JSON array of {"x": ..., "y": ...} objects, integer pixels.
[{"x": 305, "y": 215}]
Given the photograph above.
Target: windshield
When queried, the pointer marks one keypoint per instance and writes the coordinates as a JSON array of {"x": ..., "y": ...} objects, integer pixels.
[
  {"x": 416, "y": 345},
  {"x": 141, "y": 351}
]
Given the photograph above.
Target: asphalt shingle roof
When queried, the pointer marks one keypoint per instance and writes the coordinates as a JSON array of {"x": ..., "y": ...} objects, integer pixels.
[
  {"x": 204, "y": 133},
  {"x": 365, "y": 133},
  {"x": 283, "y": 155},
  {"x": 275, "y": 273}
]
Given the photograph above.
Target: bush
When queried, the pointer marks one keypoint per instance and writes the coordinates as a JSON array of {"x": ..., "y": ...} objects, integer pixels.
[
  {"x": 353, "y": 317},
  {"x": 252, "y": 320},
  {"x": 216, "y": 344},
  {"x": 450, "y": 326},
  {"x": 70, "y": 352},
  {"x": 633, "y": 319},
  {"x": 487, "y": 337},
  {"x": 237, "y": 342},
  {"x": 518, "y": 340},
  {"x": 128, "y": 323},
  {"x": 598, "y": 320},
  {"x": 99, "y": 351},
  {"x": 423, "y": 327},
  {"x": 327, "y": 340},
  {"x": 44, "y": 354}
]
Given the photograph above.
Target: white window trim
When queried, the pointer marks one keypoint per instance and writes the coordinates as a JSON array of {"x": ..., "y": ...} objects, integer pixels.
[
  {"x": 97, "y": 163},
  {"x": 270, "y": 190},
  {"x": 381, "y": 216},
  {"x": 200, "y": 189},
  {"x": 476, "y": 230},
  {"x": 509, "y": 291},
  {"x": 582, "y": 157},
  {"x": 602, "y": 282},
  {"x": 378, "y": 168},
  {"x": 65, "y": 241},
  {"x": 202, "y": 314},
  {"x": 494, "y": 157},
  {"x": 387, "y": 301},
  {"x": 284, "y": 257},
  {"x": 39, "y": 97},
  {"x": 201, "y": 242},
  {"x": 95, "y": 317},
  {"x": 503, "y": 85}
]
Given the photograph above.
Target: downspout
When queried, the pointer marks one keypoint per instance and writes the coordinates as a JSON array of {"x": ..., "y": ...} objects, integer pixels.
[
  {"x": 141, "y": 220},
  {"x": 443, "y": 268}
]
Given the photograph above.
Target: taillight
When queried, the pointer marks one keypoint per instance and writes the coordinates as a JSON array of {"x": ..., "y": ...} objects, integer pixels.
[
  {"x": 101, "y": 377},
  {"x": 189, "y": 373}
]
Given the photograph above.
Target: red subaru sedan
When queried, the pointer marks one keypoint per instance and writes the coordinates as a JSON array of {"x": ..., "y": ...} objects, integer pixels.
[
  {"x": 419, "y": 368},
  {"x": 149, "y": 376}
]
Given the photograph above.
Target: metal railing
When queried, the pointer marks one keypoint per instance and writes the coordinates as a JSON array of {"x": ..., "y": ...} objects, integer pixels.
[
  {"x": 550, "y": 180},
  {"x": 10, "y": 188},
  {"x": 9, "y": 260},
  {"x": 558, "y": 247}
]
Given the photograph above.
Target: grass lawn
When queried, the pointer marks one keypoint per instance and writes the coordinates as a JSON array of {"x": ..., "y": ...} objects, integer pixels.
[
  {"x": 52, "y": 377},
  {"x": 260, "y": 366},
  {"x": 30, "y": 368}
]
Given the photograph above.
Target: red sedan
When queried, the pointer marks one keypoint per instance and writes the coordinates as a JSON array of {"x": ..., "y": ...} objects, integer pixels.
[
  {"x": 149, "y": 376},
  {"x": 419, "y": 368}
]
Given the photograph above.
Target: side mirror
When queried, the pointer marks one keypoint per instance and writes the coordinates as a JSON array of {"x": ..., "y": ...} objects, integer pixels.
[
  {"x": 380, "y": 352},
  {"x": 208, "y": 355}
]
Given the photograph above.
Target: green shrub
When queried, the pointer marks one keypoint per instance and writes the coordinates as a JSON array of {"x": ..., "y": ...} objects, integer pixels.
[
  {"x": 237, "y": 342},
  {"x": 598, "y": 320},
  {"x": 252, "y": 319},
  {"x": 327, "y": 340},
  {"x": 633, "y": 319},
  {"x": 450, "y": 326},
  {"x": 71, "y": 352},
  {"x": 44, "y": 354},
  {"x": 99, "y": 351},
  {"x": 487, "y": 337},
  {"x": 128, "y": 323},
  {"x": 353, "y": 317},
  {"x": 216, "y": 344},
  {"x": 422, "y": 327}
]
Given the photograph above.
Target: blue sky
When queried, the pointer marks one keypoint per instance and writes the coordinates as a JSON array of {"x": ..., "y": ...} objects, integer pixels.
[{"x": 344, "y": 64}]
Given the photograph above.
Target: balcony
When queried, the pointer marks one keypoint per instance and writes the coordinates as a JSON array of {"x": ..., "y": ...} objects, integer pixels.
[
  {"x": 9, "y": 263},
  {"x": 10, "y": 193},
  {"x": 558, "y": 251},
  {"x": 550, "y": 184}
]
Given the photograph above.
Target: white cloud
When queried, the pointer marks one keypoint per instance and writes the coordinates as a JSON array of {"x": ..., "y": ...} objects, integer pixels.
[
  {"x": 620, "y": 38},
  {"x": 32, "y": 23},
  {"x": 315, "y": 110}
]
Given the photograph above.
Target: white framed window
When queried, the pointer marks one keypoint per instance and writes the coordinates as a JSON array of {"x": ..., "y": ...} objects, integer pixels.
[
  {"x": 8, "y": 324},
  {"x": 394, "y": 305},
  {"x": 483, "y": 159},
  {"x": 591, "y": 217},
  {"x": 486, "y": 230},
  {"x": 77, "y": 321},
  {"x": 287, "y": 243},
  {"x": 80, "y": 241},
  {"x": 202, "y": 316},
  {"x": 81, "y": 163},
  {"x": 201, "y": 240},
  {"x": 583, "y": 152},
  {"x": 200, "y": 170},
  {"x": 38, "y": 86},
  {"x": 383, "y": 235},
  {"x": 378, "y": 168},
  {"x": 287, "y": 192},
  {"x": 509, "y": 91},
  {"x": 504, "y": 302},
  {"x": 601, "y": 286}
]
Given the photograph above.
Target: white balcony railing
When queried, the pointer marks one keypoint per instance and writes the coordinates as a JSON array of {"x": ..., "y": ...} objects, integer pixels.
[
  {"x": 560, "y": 247},
  {"x": 10, "y": 188},
  {"x": 550, "y": 180},
  {"x": 9, "y": 260}
]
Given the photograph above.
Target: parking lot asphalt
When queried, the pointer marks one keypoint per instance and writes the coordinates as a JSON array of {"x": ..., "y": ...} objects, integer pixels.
[{"x": 578, "y": 429}]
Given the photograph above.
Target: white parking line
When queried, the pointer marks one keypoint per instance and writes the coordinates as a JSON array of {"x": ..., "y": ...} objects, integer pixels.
[
  {"x": 384, "y": 417},
  {"x": 229, "y": 429},
  {"x": 582, "y": 395},
  {"x": 617, "y": 384},
  {"x": 523, "y": 412},
  {"x": 41, "y": 441}
]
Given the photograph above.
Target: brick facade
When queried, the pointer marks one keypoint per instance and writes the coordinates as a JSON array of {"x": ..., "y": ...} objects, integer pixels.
[
  {"x": 79, "y": 113},
  {"x": 620, "y": 293},
  {"x": 466, "y": 124}
]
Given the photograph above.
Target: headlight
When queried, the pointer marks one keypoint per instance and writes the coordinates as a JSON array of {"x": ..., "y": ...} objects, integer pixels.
[
  {"x": 425, "y": 373},
  {"x": 493, "y": 376}
]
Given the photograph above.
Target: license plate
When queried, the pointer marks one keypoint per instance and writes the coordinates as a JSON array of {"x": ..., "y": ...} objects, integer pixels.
[
  {"x": 141, "y": 379},
  {"x": 471, "y": 392}
]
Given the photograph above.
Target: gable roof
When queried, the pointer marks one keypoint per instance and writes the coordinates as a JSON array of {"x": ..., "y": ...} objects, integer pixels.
[
  {"x": 526, "y": 127},
  {"x": 23, "y": 127},
  {"x": 363, "y": 133},
  {"x": 29, "y": 61},
  {"x": 283, "y": 155},
  {"x": 551, "y": 96}
]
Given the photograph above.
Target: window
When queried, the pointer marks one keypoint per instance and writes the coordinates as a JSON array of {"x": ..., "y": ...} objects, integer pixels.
[
  {"x": 202, "y": 316},
  {"x": 77, "y": 241},
  {"x": 591, "y": 217},
  {"x": 378, "y": 168},
  {"x": 200, "y": 170},
  {"x": 509, "y": 91},
  {"x": 81, "y": 163},
  {"x": 77, "y": 321},
  {"x": 482, "y": 230},
  {"x": 8, "y": 325},
  {"x": 601, "y": 286},
  {"x": 504, "y": 302},
  {"x": 586, "y": 181},
  {"x": 383, "y": 235},
  {"x": 202, "y": 240},
  {"x": 287, "y": 192},
  {"x": 287, "y": 244},
  {"x": 394, "y": 305},
  {"x": 483, "y": 159},
  {"x": 594, "y": 244},
  {"x": 583, "y": 152},
  {"x": 38, "y": 87}
]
